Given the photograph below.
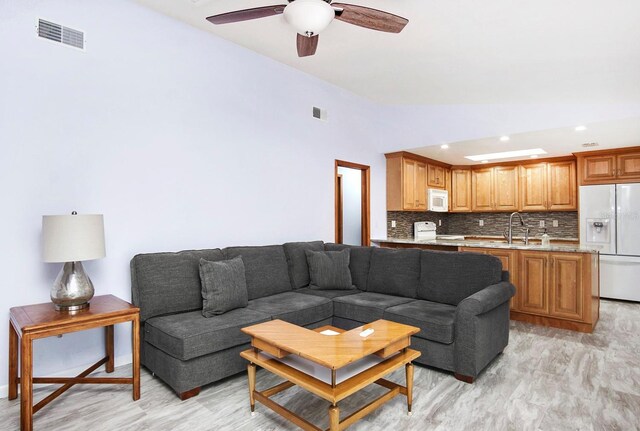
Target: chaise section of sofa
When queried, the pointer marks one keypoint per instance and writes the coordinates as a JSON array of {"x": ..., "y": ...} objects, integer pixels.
[{"x": 460, "y": 302}]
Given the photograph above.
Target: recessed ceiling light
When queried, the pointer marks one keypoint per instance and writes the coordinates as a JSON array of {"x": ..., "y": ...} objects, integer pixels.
[
  {"x": 485, "y": 161},
  {"x": 534, "y": 156},
  {"x": 506, "y": 155},
  {"x": 444, "y": 146},
  {"x": 581, "y": 128},
  {"x": 504, "y": 138}
]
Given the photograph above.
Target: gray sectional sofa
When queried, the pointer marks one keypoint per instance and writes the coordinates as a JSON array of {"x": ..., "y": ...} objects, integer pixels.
[{"x": 460, "y": 301}]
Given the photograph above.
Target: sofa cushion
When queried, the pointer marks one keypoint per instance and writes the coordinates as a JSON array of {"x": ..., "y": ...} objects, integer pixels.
[
  {"x": 329, "y": 270},
  {"x": 190, "y": 335},
  {"x": 434, "y": 320},
  {"x": 450, "y": 277},
  {"x": 163, "y": 283},
  {"x": 328, "y": 293},
  {"x": 358, "y": 262},
  {"x": 394, "y": 272},
  {"x": 265, "y": 268},
  {"x": 365, "y": 307},
  {"x": 297, "y": 261},
  {"x": 224, "y": 286},
  {"x": 294, "y": 307}
]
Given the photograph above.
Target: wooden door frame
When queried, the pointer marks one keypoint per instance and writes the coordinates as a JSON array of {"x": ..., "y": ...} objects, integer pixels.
[{"x": 365, "y": 211}]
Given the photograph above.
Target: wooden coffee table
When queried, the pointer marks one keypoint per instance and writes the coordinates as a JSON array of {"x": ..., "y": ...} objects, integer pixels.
[{"x": 330, "y": 366}]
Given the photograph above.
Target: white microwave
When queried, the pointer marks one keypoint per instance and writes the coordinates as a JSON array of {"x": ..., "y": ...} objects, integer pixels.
[{"x": 438, "y": 200}]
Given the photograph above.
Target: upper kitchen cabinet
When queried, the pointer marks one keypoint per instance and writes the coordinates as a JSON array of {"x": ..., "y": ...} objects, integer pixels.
[
  {"x": 495, "y": 189},
  {"x": 406, "y": 182},
  {"x": 436, "y": 177},
  {"x": 460, "y": 196},
  {"x": 609, "y": 166},
  {"x": 548, "y": 186}
]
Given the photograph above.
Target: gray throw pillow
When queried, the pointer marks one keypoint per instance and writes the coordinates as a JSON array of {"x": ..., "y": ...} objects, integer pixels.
[
  {"x": 329, "y": 270},
  {"x": 224, "y": 286}
]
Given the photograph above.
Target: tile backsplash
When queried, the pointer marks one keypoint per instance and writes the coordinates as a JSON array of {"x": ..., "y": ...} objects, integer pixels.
[{"x": 494, "y": 223}]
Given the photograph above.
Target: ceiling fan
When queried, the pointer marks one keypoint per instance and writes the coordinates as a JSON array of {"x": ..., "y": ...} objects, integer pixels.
[{"x": 310, "y": 17}]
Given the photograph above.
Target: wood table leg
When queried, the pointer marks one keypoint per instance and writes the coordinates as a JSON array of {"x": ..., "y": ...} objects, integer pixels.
[
  {"x": 136, "y": 357},
  {"x": 334, "y": 418},
  {"x": 26, "y": 388},
  {"x": 409, "y": 373},
  {"x": 13, "y": 362},
  {"x": 109, "y": 366},
  {"x": 251, "y": 373}
]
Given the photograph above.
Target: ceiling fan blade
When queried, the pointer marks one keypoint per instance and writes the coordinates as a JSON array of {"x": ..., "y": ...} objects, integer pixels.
[
  {"x": 307, "y": 45},
  {"x": 370, "y": 18},
  {"x": 246, "y": 14}
]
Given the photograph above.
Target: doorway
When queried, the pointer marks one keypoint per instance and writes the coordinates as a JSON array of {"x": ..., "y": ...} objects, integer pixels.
[{"x": 352, "y": 207}]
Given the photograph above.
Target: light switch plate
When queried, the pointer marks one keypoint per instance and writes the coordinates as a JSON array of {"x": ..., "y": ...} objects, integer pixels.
[
  {"x": 393, "y": 223},
  {"x": 541, "y": 223},
  {"x": 555, "y": 223},
  {"x": 481, "y": 223}
]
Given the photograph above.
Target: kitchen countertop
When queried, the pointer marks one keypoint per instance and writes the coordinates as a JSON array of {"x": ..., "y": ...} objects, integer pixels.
[{"x": 482, "y": 243}]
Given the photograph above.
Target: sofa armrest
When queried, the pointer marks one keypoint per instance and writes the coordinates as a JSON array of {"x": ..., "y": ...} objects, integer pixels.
[
  {"x": 481, "y": 329},
  {"x": 487, "y": 299}
]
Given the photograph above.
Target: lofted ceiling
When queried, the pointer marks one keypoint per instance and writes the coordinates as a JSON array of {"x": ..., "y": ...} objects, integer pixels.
[
  {"x": 457, "y": 51},
  {"x": 556, "y": 142}
]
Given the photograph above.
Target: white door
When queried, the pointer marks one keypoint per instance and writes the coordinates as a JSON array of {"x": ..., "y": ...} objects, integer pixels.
[
  {"x": 619, "y": 277},
  {"x": 628, "y": 221},
  {"x": 598, "y": 217}
]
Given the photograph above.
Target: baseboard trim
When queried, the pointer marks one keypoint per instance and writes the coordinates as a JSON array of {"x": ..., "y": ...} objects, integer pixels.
[{"x": 119, "y": 361}]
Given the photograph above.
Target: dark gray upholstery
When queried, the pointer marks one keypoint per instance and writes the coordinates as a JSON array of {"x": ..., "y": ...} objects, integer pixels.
[
  {"x": 394, "y": 272},
  {"x": 328, "y": 293},
  {"x": 329, "y": 270},
  {"x": 265, "y": 268},
  {"x": 460, "y": 302},
  {"x": 297, "y": 261},
  {"x": 434, "y": 320},
  {"x": 449, "y": 277},
  {"x": 366, "y": 306},
  {"x": 163, "y": 283},
  {"x": 359, "y": 261},
  {"x": 224, "y": 286},
  {"x": 294, "y": 307},
  {"x": 189, "y": 335}
]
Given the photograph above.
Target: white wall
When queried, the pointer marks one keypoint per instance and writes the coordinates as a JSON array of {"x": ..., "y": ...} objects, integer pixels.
[
  {"x": 351, "y": 206},
  {"x": 181, "y": 139}
]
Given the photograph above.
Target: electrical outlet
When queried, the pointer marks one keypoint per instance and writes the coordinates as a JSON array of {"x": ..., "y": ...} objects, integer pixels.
[
  {"x": 555, "y": 223},
  {"x": 541, "y": 223},
  {"x": 481, "y": 223},
  {"x": 393, "y": 223},
  {"x": 439, "y": 222}
]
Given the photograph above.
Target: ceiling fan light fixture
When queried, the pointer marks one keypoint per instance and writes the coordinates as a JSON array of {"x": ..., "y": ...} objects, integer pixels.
[{"x": 309, "y": 17}]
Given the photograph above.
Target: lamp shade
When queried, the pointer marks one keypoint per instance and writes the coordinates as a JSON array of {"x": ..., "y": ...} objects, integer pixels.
[
  {"x": 72, "y": 238},
  {"x": 309, "y": 17}
]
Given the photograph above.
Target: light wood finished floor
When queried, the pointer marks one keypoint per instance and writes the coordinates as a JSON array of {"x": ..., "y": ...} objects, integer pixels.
[{"x": 547, "y": 379}]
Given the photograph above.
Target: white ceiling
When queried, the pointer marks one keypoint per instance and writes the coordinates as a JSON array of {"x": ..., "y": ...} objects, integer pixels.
[
  {"x": 556, "y": 142},
  {"x": 457, "y": 51}
]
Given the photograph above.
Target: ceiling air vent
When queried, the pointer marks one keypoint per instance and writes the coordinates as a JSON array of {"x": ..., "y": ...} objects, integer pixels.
[
  {"x": 61, "y": 34},
  {"x": 590, "y": 144},
  {"x": 319, "y": 113}
]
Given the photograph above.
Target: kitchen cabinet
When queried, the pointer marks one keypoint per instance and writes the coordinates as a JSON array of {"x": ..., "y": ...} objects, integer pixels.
[
  {"x": 566, "y": 283},
  {"x": 460, "y": 195},
  {"x": 548, "y": 186},
  {"x": 495, "y": 189},
  {"x": 406, "y": 184},
  {"x": 534, "y": 289},
  {"x": 436, "y": 176},
  {"x": 621, "y": 165}
]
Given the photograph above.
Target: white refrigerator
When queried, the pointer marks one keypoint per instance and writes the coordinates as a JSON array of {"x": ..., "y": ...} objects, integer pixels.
[{"x": 610, "y": 221}]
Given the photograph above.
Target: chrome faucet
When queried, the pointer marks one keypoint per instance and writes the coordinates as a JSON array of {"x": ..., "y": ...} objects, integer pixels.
[{"x": 509, "y": 233}]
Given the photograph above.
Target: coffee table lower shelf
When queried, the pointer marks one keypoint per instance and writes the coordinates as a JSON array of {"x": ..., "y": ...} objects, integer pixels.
[{"x": 334, "y": 393}]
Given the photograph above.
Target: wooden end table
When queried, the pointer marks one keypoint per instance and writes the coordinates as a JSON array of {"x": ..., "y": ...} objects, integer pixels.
[
  {"x": 30, "y": 322},
  {"x": 275, "y": 341}
]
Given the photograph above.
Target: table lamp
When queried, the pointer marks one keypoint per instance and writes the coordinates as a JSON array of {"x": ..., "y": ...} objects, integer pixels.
[{"x": 72, "y": 239}]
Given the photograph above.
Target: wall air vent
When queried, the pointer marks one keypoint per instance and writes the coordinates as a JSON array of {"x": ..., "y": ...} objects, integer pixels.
[
  {"x": 61, "y": 34},
  {"x": 319, "y": 113},
  {"x": 590, "y": 144}
]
